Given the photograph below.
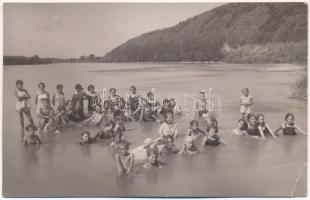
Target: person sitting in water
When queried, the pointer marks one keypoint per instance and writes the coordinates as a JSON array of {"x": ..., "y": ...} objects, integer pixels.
[
  {"x": 95, "y": 119},
  {"x": 71, "y": 112},
  {"x": 142, "y": 112},
  {"x": 91, "y": 98},
  {"x": 189, "y": 147},
  {"x": 78, "y": 101},
  {"x": 213, "y": 139},
  {"x": 30, "y": 136},
  {"x": 124, "y": 160},
  {"x": 241, "y": 129},
  {"x": 201, "y": 105},
  {"x": 169, "y": 146},
  {"x": 288, "y": 127},
  {"x": 252, "y": 129},
  {"x": 165, "y": 108},
  {"x": 133, "y": 102},
  {"x": 117, "y": 132},
  {"x": 61, "y": 116},
  {"x": 175, "y": 106},
  {"x": 194, "y": 131},
  {"x": 168, "y": 127},
  {"x": 210, "y": 121},
  {"x": 262, "y": 126},
  {"x": 107, "y": 131}
]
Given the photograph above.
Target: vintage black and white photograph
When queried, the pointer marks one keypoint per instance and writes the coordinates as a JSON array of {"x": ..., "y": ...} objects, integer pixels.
[{"x": 140, "y": 99}]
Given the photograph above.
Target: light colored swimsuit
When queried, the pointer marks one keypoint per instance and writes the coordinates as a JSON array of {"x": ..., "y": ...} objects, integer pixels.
[
  {"x": 245, "y": 100},
  {"x": 23, "y": 105}
]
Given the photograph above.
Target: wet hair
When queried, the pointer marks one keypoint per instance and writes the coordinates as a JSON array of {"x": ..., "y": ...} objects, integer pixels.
[
  {"x": 249, "y": 116},
  {"x": 112, "y": 89},
  {"x": 85, "y": 133},
  {"x": 289, "y": 114},
  {"x": 259, "y": 115},
  {"x": 133, "y": 87},
  {"x": 244, "y": 126},
  {"x": 41, "y": 83},
  {"x": 19, "y": 82},
  {"x": 166, "y": 101},
  {"x": 246, "y": 90},
  {"x": 59, "y": 86},
  {"x": 78, "y": 87},
  {"x": 30, "y": 126},
  {"x": 149, "y": 94},
  {"x": 193, "y": 122},
  {"x": 90, "y": 86}
]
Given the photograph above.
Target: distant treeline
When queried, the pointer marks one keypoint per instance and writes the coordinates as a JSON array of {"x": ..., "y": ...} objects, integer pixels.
[
  {"x": 36, "y": 60},
  {"x": 289, "y": 52}
]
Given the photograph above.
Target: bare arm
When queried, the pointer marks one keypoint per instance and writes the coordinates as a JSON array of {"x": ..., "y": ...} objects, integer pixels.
[
  {"x": 300, "y": 130},
  {"x": 182, "y": 149},
  {"x": 270, "y": 131},
  {"x": 261, "y": 132},
  {"x": 278, "y": 129},
  {"x": 36, "y": 99},
  {"x": 119, "y": 165},
  {"x": 131, "y": 164}
]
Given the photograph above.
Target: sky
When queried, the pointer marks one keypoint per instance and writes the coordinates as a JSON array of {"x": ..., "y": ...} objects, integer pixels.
[{"x": 68, "y": 30}]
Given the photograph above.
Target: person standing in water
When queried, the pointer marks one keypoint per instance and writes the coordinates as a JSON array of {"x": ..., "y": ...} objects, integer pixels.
[
  {"x": 246, "y": 101},
  {"x": 40, "y": 95},
  {"x": 58, "y": 99},
  {"x": 23, "y": 105},
  {"x": 78, "y": 101}
]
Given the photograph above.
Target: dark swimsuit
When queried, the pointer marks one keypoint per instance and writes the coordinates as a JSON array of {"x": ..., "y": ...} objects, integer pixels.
[
  {"x": 214, "y": 142},
  {"x": 252, "y": 131},
  {"x": 289, "y": 130}
]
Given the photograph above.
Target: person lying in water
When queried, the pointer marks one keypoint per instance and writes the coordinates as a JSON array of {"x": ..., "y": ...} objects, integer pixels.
[
  {"x": 288, "y": 127},
  {"x": 189, "y": 147},
  {"x": 123, "y": 159},
  {"x": 30, "y": 136},
  {"x": 107, "y": 131},
  {"x": 152, "y": 158},
  {"x": 87, "y": 139}
]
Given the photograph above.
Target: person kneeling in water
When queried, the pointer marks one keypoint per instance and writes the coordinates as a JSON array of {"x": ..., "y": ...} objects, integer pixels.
[
  {"x": 189, "y": 146},
  {"x": 124, "y": 160}
]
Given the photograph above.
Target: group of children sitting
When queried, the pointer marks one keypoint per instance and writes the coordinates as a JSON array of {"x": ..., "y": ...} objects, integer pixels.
[{"x": 109, "y": 115}]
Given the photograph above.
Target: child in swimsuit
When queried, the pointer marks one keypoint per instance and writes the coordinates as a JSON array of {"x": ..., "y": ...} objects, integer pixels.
[
  {"x": 152, "y": 107},
  {"x": 213, "y": 139},
  {"x": 210, "y": 121},
  {"x": 124, "y": 160},
  {"x": 194, "y": 131},
  {"x": 118, "y": 131},
  {"x": 288, "y": 127},
  {"x": 242, "y": 127},
  {"x": 168, "y": 127},
  {"x": 58, "y": 99},
  {"x": 23, "y": 105},
  {"x": 40, "y": 95},
  {"x": 116, "y": 102},
  {"x": 45, "y": 114},
  {"x": 62, "y": 116},
  {"x": 78, "y": 101},
  {"x": 262, "y": 126},
  {"x": 169, "y": 146},
  {"x": 246, "y": 101},
  {"x": 252, "y": 129},
  {"x": 107, "y": 131},
  {"x": 91, "y": 98},
  {"x": 31, "y": 137},
  {"x": 189, "y": 147},
  {"x": 164, "y": 110},
  {"x": 175, "y": 106},
  {"x": 201, "y": 105},
  {"x": 133, "y": 99},
  {"x": 71, "y": 112},
  {"x": 152, "y": 158}
]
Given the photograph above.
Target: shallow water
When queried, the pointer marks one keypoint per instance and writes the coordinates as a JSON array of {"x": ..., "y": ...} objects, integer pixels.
[{"x": 245, "y": 167}]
